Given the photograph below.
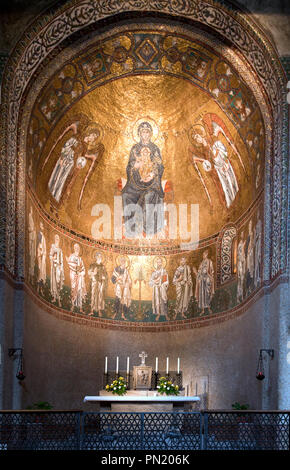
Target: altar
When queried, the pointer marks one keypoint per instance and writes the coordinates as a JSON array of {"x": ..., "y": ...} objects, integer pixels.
[
  {"x": 142, "y": 401},
  {"x": 141, "y": 386}
]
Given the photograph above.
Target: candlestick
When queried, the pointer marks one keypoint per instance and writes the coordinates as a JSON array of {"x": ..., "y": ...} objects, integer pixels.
[
  {"x": 167, "y": 365},
  {"x": 128, "y": 365},
  {"x": 178, "y": 365},
  {"x": 106, "y": 365},
  {"x": 106, "y": 377},
  {"x": 156, "y": 380},
  {"x": 156, "y": 365},
  {"x": 117, "y": 364}
]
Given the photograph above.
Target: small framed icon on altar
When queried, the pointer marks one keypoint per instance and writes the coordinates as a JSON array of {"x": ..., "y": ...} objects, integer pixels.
[{"x": 142, "y": 377}]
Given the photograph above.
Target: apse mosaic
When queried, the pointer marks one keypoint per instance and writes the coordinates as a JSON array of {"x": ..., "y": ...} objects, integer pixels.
[{"x": 145, "y": 163}]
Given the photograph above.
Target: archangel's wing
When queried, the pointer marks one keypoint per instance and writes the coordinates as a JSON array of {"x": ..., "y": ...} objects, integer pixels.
[
  {"x": 73, "y": 127},
  {"x": 216, "y": 126}
]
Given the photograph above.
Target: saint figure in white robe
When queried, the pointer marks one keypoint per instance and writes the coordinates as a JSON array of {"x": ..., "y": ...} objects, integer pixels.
[
  {"x": 204, "y": 288},
  {"x": 31, "y": 243},
  {"x": 250, "y": 259},
  {"x": 241, "y": 268},
  {"x": 183, "y": 282},
  {"x": 77, "y": 277},
  {"x": 62, "y": 169},
  {"x": 99, "y": 277},
  {"x": 225, "y": 172},
  {"x": 258, "y": 252},
  {"x": 56, "y": 269},
  {"x": 123, "y": 283},
  {"x": 41, "y": 254},
  {"x": 159, "y": 283}
]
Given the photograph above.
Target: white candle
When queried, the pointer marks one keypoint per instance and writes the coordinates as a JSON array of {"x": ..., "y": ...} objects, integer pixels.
[
  {"x": 117, "y": 364},
  {"x": 167, "y": 365},
  {"x": 128, "y": 365},
  {"x": 106, "y": 365},
  {"x": 178, "y": 365},
  {"x": 156, "y": 365}
]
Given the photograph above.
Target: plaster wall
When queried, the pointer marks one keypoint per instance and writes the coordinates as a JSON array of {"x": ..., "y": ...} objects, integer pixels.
[
  {"x": 65, "y": 361},
  {"x": 11, "y": 316}
]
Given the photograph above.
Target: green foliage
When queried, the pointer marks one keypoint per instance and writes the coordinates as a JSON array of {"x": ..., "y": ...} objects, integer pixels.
[
  {"x": 41, "y": 405},
  {"x": 117, "y": 387},
  {"x": 239, "y": 406},
  {"x": 65, "y": 298},
  {"x": 45, "y": 290},
  {"x": 167, "y": 387},
  {"x": 221, "y": 300},
  {"x": 87, "y": 303}
]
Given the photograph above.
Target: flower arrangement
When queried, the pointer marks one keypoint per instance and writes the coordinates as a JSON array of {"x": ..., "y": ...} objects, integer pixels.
[
  {"x": 117, "y": 387},
  {"x": 166, "y": 387}
]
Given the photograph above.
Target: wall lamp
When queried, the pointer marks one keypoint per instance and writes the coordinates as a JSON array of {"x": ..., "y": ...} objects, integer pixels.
[
  {"x": 11, "y": 353},
  {"x": 260, "y": 373}
]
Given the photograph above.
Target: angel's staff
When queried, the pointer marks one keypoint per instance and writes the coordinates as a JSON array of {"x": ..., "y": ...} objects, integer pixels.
[
  {"x": 94, "y": 159},
  {"x": 193, "y": 160}
]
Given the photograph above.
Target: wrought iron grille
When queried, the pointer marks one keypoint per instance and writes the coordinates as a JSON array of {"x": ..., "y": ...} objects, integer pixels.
[
  {"x": 39, "y": 430},
  {"x": 212, "y": 430},
  {"x": 246, "y": 430},
  {"x": 144, "y": 431}
]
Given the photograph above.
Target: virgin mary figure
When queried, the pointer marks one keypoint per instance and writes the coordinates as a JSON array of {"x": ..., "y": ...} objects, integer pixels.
[{"x": 143, "y": 195}]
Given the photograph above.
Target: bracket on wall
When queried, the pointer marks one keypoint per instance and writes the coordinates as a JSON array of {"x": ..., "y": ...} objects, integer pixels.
[
  {"x": 270, "y": 352},
  {"x": 12, "y": 351}
]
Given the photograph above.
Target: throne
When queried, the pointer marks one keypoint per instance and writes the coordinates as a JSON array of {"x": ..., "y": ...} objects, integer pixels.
[{"x": 167, "y": 187}]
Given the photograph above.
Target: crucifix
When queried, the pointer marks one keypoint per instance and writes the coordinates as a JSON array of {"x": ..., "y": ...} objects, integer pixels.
[{"x": 143, "y": 355}]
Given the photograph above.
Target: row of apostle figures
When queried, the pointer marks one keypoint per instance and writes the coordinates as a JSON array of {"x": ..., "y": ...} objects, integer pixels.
[{"x": 121, "y": 278}]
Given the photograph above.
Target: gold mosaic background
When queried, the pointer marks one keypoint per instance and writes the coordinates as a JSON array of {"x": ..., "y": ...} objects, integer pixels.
[{"x": 186, "y": 92}]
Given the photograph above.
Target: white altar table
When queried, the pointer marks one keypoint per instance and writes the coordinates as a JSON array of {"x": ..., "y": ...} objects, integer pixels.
[{"x": 136, "y": 402}]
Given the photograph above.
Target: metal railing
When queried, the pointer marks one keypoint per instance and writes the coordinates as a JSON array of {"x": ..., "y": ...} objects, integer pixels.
[{"x": 204, "y": 430}]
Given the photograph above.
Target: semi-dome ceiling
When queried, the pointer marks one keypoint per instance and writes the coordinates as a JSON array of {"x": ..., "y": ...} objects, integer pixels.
[{"x": 205, "y": 122}]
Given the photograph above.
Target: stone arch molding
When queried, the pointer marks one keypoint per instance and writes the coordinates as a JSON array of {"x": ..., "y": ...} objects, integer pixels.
[{"x": 45, "y": 36}]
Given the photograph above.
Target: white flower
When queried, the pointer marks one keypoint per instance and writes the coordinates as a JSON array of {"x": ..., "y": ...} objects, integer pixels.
[
  {"x": 114, "y": 388},
  {"x": 158, "y": 386},
  {"x": 168, "y": 388}
]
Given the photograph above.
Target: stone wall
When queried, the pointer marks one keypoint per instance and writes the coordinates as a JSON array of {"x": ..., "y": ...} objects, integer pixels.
[{"x": 65, "y": 361}]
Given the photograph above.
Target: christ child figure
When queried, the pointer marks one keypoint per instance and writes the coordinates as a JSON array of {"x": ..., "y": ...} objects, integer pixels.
[{"x": 145, "y": 165}]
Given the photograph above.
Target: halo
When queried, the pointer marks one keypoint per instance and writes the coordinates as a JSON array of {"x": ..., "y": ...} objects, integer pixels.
[
  {"x": 53, "y": 234},
  {"x": 81, "y": 162},
  {"x": 164, "y": 261},
  {"x": 118, "y": 260},
  {"x": 72, "y": 247},
  {"x": 94, "y": 254},
  {"x": 196, "y": 129},
  {"x": 153, "y": 125},
  {"x": 90, "y": 128}
]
